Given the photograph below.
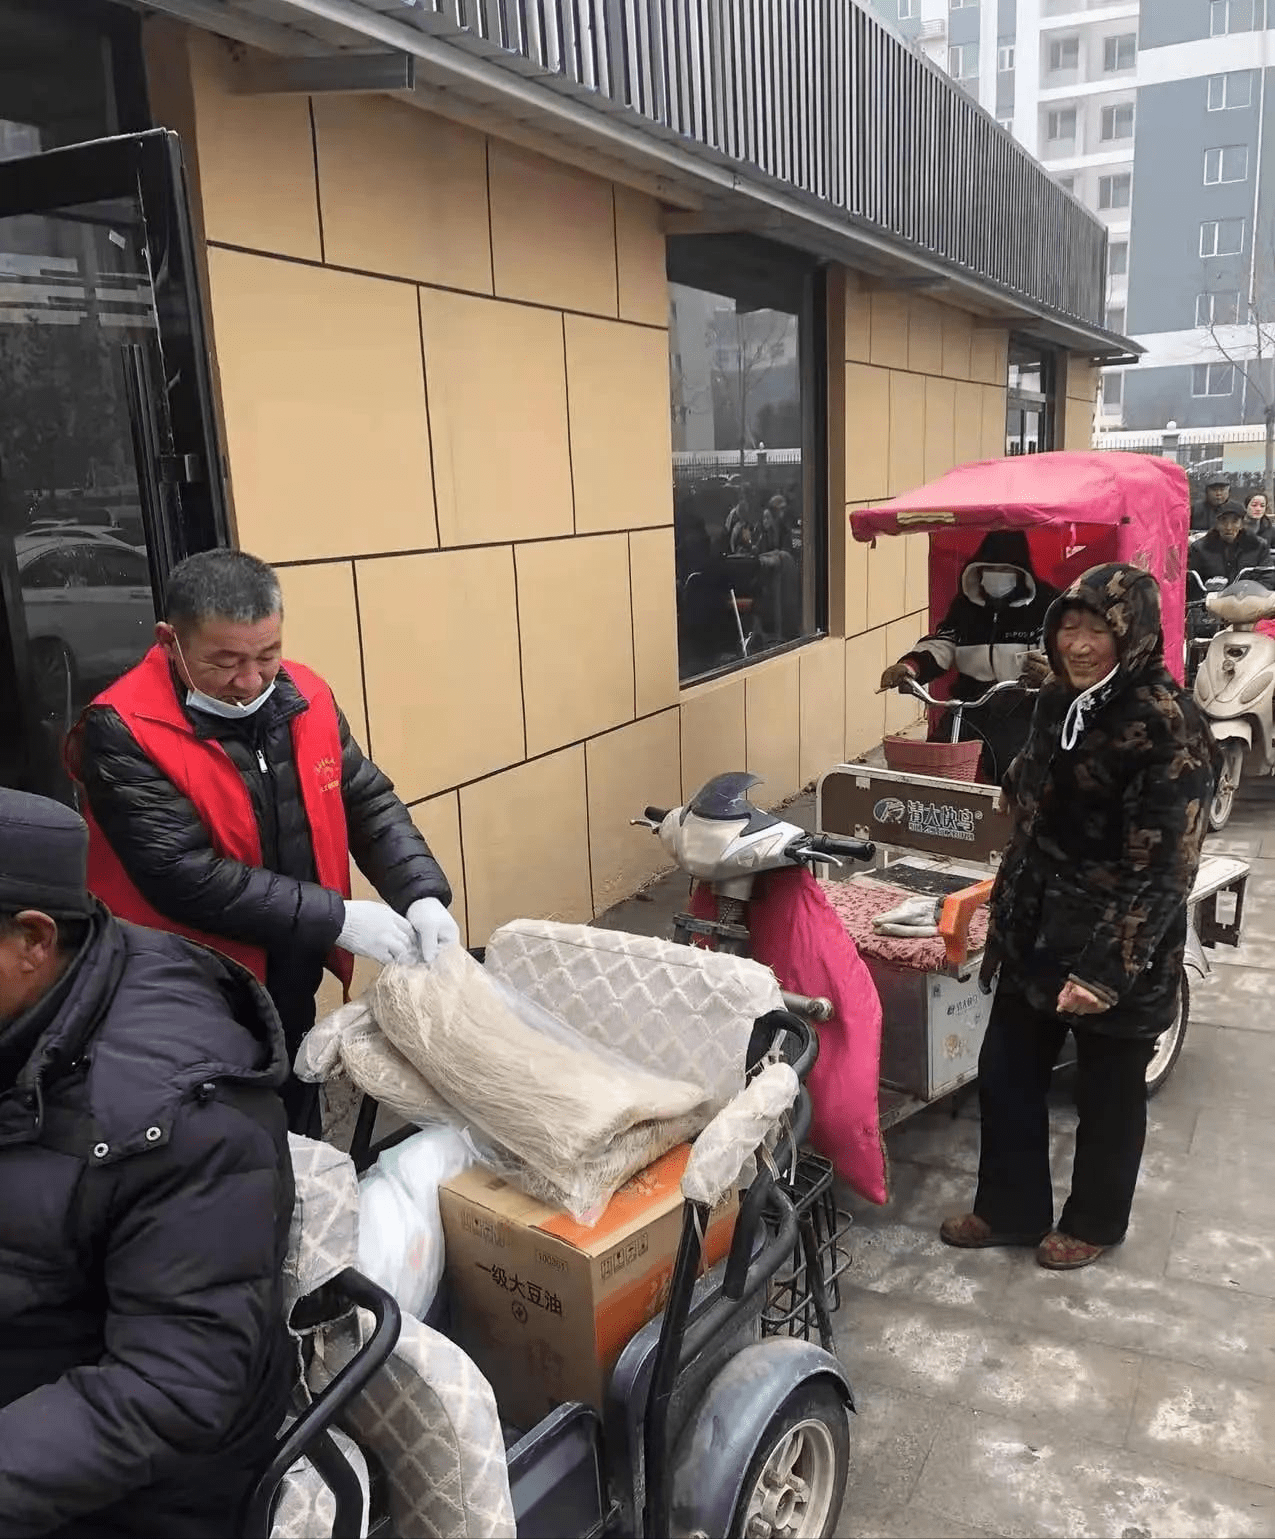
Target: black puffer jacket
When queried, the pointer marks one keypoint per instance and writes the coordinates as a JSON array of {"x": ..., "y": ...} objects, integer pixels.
[
  {"x": 1213, "y": 557},
  {"x": 1108, "y": 830},
  {"x": 155, "y": 832},
  {"x": 145, "y": 1198}
]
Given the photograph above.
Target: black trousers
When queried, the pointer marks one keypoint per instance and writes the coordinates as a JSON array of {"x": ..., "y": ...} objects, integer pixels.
[{"x": 1015, "y": 1192}]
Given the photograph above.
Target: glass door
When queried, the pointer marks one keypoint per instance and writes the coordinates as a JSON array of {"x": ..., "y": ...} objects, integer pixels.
[{"x": 108, "y": 467}]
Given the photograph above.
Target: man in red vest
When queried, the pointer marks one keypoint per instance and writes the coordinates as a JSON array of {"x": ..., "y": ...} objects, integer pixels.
[{"x": 225, "y": 795}]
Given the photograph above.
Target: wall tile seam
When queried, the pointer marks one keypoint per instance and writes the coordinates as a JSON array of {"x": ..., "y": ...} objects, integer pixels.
[
  {"x": 885, "y": 625},
  {"x": 439, "y": 288},
  {"x": 447, "y": 550},
  {"x": 953, "y": 379},
  {"x": 537, "y": 758}
]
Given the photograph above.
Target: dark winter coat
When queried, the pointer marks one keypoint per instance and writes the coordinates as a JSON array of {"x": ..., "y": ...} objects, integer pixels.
[
  {"x": 161, "y": 842},
  {"x": 1107, "y": 836},
  {"x": 1204, "y": 513},
  {"x": 1213, "y": 557},
  {"x": 145, "y": 1198}
]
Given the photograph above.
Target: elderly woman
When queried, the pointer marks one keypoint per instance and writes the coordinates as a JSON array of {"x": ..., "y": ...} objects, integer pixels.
[{"x": 1110, "y": 802}]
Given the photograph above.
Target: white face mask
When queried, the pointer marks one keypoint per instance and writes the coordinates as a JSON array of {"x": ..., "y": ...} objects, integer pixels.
[
  {"x": 999, "y": 585},
  {"x": 228, "y": 710}
]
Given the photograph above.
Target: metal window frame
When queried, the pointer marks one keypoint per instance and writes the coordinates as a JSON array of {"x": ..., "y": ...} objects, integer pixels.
[
  {"x": 1200, "y": 395},
  {"x": 1123, "y": 178},
  {"x": 1112, "y": 115},
  {"x": 1221, "y": 179},
  {"x": 1113, "y": 43},
  {"x": 1056, "y": 46}
]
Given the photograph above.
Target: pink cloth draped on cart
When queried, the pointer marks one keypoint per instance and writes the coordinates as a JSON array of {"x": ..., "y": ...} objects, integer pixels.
[{"x": 797, "y": 934}]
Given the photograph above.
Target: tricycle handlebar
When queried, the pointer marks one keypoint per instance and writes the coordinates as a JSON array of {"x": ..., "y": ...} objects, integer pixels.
[{"x": 911, "y": 687}]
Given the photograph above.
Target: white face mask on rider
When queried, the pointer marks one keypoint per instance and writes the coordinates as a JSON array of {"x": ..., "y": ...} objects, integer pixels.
[
  {"x": 228, "y": 710},
  {"x": 999, "y": 585}
]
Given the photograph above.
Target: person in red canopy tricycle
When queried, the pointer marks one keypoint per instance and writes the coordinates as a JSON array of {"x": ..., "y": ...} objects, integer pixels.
[{"x": 992, "y": 625}]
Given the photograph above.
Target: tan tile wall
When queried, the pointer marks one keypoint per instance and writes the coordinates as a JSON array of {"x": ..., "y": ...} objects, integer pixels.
[{"x": 444, "y": 377}]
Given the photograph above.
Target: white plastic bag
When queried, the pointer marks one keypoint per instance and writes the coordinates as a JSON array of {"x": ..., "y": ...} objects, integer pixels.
[
  {"x": 400, "y": 1227},
  {"x": 736, "y": 1132}
]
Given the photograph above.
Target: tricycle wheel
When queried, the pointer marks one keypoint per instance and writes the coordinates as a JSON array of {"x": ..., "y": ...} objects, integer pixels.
[
  {"x": 797, "y": 1478},
  {"x": 1228, "y": 783},
  {"x": 1168, "y": 1047}
]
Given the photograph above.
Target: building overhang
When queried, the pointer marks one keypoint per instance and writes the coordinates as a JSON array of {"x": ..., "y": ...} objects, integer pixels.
[{"x": 417, "y": 51}]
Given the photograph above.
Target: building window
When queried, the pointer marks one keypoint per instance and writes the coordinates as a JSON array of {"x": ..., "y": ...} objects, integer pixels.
[
  {"x": 1030, "y": 405},
  {"x": 1228, "y": 163},
  {"x": 1061, "y": 125},
  {"x": 746, "y": 350},
  {"x": 1234, "y": 16},
  {"x": 962, "y": 61},
  {"x": 1115, "y": 318},
  {"x": 1115, "y": 191},
  {"x": 962, "y": 5},
  {"x": 1117, "y": 259},
  {"x": 1234, "y": 89},
  {"x": 909, "y": 10},
  {"x": 1005, "y": 58},
  {"x": 1212, "y": 379},
  {"x": 1068, "y": 184},
  {"x": 1220, "y": 309},
  {"x": 1117, "y": 122},
  {"x": 1120, "y": 53},
  {"x": 1064, "y": 53},
  {"x": 1112, "y": 388},
  {"x": 1221, "y": 237},
  {"x": 1007, "y": 124}
]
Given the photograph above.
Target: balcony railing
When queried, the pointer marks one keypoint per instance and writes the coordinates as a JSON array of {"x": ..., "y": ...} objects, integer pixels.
[{"x": 820, "y": 97}]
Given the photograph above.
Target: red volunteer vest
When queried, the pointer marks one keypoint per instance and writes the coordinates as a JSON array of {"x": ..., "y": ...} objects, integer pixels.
[{"x": 202, "y": 771}]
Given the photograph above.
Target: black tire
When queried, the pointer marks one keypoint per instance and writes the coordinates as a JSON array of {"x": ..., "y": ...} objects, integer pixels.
[
  {"x": 1169, "y": 1043},
  {"x": 818, "y": 1410}
]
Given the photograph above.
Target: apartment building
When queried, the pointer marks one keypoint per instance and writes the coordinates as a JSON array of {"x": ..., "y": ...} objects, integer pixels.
[{"x": 1153, "y": 115}]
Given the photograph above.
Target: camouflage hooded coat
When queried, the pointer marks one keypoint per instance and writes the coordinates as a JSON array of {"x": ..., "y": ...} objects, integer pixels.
[{"x": 1110, "y": 802}]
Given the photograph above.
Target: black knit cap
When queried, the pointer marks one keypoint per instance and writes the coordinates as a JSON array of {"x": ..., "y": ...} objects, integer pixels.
[{"x": 43, "y": 857}]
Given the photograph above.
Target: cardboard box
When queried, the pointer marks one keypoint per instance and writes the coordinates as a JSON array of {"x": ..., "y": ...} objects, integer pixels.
[{"x": 543, "y": 1305}]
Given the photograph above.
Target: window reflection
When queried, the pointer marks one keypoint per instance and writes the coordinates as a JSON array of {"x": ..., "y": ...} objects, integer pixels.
[{"x": 747, "y": 576}]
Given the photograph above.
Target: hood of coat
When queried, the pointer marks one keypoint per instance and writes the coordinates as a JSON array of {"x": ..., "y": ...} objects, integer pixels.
[
  {"x": 1128, "y": 599},
  {"x": 1000, "y": 549}
]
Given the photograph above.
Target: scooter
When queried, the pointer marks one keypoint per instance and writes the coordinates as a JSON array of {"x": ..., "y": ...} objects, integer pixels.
[{"x": 1235, "y": 687}]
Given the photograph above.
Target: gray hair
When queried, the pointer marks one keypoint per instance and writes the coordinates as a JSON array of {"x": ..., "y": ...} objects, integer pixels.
[{"x": 221, "y": 585}]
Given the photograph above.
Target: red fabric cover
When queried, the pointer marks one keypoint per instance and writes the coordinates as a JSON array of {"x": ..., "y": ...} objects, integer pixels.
[
  {"x": 1079, "y": 508},
  {"x": 203, "y": 772},
  {"x": 859, "y": 900},
  {"x": 1265, "y": 627},
  {"x": 798, "y": 936}
]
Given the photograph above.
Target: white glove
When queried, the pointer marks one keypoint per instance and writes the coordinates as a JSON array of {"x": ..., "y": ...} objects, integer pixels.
[
  {"x": 434, "y": 926},
  {"x": 375, "y": 930}
]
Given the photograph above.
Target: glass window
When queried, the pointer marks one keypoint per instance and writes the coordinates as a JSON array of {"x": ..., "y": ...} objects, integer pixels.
[
  {"x": 1234, "y": 89},
  {"x": 749, "y": 500},
  {"x": 1117, "y": 258},
  {"x": 962, "y": 5},
  {"x": 1112, "y": 387},
  {"x": 1005, "y": 58},
  {"x": 1234, "y": 16},
  {"x": 909, "y": 9},
  {"x": 1115, "y": 318},
  {"x": 962, "y": 61},
  {"x": 1226, "y": 163},
  {"x": 1064, "y": 53},
  {"x": 1117, "y": 122},
  {"x": 1067, "y": 183},
  {"x": 1212, "y": 379},
  {"x": 1062, "y": 125},
  {"x": 1115, "y": 191},
  {"x": 1221, "y": 237},
  {"x": 1220, "y": 309},
  {"x": 1030, "y": 406},
  {"x": 1120, "y": 53}
]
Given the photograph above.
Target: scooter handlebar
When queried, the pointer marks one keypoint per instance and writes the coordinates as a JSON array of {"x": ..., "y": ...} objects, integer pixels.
[
  {"x": 846, "y": 849},
  {"x": 655, "y": 814}
]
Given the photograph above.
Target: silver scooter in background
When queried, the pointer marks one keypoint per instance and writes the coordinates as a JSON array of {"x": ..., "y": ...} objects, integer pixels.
[{"x": 1235, "y": 687}]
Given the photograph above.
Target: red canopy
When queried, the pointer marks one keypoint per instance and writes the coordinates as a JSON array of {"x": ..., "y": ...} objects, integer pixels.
[
  {"x": 1100, "y": 506},
  {"x": 1028, "y": 489}
]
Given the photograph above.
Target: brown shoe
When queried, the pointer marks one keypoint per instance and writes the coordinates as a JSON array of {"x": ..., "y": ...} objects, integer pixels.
[
  {"x": 1064, "y": 1253},
  {"x": 967, "y": 1231}
]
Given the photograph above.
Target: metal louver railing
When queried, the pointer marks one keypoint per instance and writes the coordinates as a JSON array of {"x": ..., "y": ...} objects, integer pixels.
[{"x": 821, "y": 97}]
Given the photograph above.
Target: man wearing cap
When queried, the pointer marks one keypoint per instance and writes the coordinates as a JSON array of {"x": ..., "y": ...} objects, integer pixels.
[
  {"x": 1228, "y": 548},
  {"x": 225, "y": 795},
  {"x": 145, "y": 1199},
  {"x": 1217, "y": 499}
]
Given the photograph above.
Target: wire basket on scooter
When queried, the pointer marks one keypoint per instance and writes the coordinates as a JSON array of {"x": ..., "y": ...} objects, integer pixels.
[{"x": 790, "y": 1306}]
